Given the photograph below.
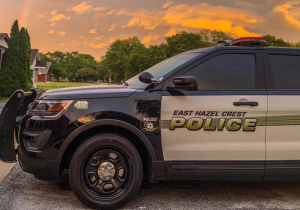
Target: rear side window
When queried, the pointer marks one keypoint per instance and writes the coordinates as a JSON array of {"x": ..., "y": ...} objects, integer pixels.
[
  {"x": 228, "y": 71},
  {"x": 286, "y": 71}
]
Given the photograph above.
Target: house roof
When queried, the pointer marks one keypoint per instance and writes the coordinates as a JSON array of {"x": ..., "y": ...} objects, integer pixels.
[
  {"x": 41, "y": 64},
  {"x": 33, "y": 54},
  {"x": 4, "y": 36},
  {"x": 46, "y": 69}
]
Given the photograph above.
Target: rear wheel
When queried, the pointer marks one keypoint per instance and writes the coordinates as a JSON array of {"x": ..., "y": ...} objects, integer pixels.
[{"x": 106, "y": 171}]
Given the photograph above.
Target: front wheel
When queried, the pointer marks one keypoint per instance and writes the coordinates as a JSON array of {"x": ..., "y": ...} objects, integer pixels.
[{"x": 106, "y": 171}]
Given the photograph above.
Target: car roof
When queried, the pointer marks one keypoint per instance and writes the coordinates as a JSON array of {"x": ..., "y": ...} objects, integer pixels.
[{"x": 218, "y": 48}]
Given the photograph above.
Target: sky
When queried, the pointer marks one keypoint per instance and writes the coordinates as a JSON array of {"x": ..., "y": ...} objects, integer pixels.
[{"x": 90, "y": 26}]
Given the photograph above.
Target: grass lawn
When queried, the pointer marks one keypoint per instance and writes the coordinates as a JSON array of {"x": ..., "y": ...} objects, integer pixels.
[
  {"x": 54, "y": 85},
  {"x": 3, "y": 99}
]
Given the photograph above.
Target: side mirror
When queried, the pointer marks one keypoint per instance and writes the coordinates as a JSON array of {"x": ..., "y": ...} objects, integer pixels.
[
  {"x": 145, "y": 77},
  {"x": 183, "y": 83}
]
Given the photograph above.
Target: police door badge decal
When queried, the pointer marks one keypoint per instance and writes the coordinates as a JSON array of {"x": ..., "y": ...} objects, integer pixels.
[{"x": 150, "y": 124}]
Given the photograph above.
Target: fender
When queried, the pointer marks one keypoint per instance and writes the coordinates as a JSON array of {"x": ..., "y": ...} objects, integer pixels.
[{"x": 97, "y": 123}]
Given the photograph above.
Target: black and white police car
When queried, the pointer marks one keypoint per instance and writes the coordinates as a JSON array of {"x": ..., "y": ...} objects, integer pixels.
[{"x": 230, "y": 112}]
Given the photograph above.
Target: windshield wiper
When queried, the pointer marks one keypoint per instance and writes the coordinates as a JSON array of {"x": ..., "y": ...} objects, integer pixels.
[{"x": 124, "y": 83}]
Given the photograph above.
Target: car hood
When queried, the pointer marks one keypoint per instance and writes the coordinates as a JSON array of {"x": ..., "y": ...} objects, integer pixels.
[{"x": 95, "y": 91}]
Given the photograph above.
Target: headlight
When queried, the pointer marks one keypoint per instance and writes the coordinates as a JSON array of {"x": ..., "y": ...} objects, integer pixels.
[{"x": 49, "y": 109}]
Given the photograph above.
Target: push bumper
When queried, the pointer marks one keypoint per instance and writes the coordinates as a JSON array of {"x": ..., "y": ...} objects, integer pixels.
[{"x": 47, "y": 170}]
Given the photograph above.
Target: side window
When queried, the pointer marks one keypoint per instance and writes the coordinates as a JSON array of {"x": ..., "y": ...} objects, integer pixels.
[
  {"x": 286, "y": 71},
  {"x": 228, "y": 71}
]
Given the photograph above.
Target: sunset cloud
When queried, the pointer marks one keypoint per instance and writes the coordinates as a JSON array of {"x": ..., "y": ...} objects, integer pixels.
[
  {"x": 42, "y": 15},
  {"x": 62, "y": 33},
  {"x": 99, "y": 38},
  {"x": 167, "y": 4},
  {"x": 59, "y": 17},
  {"x": 143, "y": 18},
  {"x": 89, "y": 26},
  {"x": 150, "y": 38},
  {"x": 93, "y": 31},
  {"x": 53, "y": 12},
  {"x": 100, "y": 9},
  {"x": 99, "y": 45},
  {"x": 82, "y": 8},
  {"x": 283, "y": 20},
  {"x": 112, "y": 27},
  {"x": 196, "y": 16}
]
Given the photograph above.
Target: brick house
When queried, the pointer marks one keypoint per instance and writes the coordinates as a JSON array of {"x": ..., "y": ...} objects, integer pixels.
[{"x": 40, "y": 70}]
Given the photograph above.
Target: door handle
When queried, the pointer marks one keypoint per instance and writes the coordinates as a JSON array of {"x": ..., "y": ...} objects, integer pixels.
[{"x": 247, "y": 103}]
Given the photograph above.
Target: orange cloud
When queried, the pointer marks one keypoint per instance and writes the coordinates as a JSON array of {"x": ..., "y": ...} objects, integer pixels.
[
  {"x": 285, "y": 10},
  {"x": 197, "y": 16},
  {"x": 41, "y": 16},
  {"x": 62, "y": 44},
  {"x": 100, "y": 9},
  {"x": 53, "y": 12},
  {"x": 112, "y": 27},
  {"x": 150, "y": 38},
  {"x": 62, "y": 33},
  {"x": 51, "y": 31},
  {"x": 82, "y": 8},
  {"x": 99, "y": 45},
  {"x": 59, "y": 17},
  {"x": 99, "y": 38},
  {"x": 167, "y": 4},
  {"x": 185, "y": 14},
  {"x": 143, "y": 18},
  {"x": 112, "y": 12},
  {"x": 93, "y": 31}
]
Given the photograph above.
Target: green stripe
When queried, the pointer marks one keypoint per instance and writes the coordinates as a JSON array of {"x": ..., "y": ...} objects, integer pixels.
[{"x": 262, "y": 121}]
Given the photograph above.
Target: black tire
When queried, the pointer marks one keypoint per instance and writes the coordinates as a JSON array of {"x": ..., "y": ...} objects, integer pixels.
[{"x": 102, "y": 149}]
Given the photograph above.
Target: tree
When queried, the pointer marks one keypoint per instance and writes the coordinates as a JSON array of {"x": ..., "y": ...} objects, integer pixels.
[
  {"x": 87, "y": 72},
  {"x": 11, "y": 64},
  {"x": 103, "y": 72},
  {"x": 74, "y": 61},
  {"x": 28, "y": 39},
  {"x": 139, "y": 60},
  {"x": 117, "y": 56},
  {"x": 278, "y": 42},
  {"x": 59, "y": 71},
  {"x": 24, "y": 72},
  {"x": 211, "y": 38},
  {"x": 183, "y": 41},
  {"x": 56, "y": 59}
]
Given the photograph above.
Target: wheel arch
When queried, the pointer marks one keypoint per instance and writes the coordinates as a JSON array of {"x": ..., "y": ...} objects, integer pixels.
[{"x": 101, "y": 123}]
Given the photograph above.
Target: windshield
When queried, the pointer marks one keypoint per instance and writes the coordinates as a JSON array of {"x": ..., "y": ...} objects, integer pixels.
[{"x": 164, "y": 67}]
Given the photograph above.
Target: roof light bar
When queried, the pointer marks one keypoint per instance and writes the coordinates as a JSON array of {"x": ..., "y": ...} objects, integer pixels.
[
  {"x": 244, "y": 41},
  {"x": 249, "y": 41}
]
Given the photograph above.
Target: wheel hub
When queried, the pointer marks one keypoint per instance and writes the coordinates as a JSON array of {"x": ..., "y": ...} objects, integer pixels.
[{"x": 106, "y": 171}]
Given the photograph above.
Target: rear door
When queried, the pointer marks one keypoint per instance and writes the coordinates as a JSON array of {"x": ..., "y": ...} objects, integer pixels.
[
  {"x": 206, "y": 136},
  {"x": 283, "y": 116}
]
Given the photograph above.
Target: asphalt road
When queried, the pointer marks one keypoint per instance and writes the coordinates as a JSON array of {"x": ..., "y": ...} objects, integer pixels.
[{"x": 22, "y": 191}]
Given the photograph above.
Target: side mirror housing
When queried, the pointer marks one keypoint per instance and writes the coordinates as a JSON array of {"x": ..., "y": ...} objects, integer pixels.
[
  {"x": 183, "y": 83},
  {"x": 146, "y": 77}
]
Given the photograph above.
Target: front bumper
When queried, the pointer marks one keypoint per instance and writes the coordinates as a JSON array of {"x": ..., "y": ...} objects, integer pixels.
[{"x": 47, "y": 170}]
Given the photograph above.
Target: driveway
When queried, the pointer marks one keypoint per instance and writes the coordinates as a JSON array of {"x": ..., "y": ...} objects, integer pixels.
[{"x": 22, "y": 191}]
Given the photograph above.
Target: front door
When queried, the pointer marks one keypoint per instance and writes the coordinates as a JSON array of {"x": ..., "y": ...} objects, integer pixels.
[{"x": 217, "y": 132}]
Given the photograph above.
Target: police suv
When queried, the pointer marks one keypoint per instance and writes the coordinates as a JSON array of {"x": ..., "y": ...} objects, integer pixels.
[{"x": 230, "y": 112}]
